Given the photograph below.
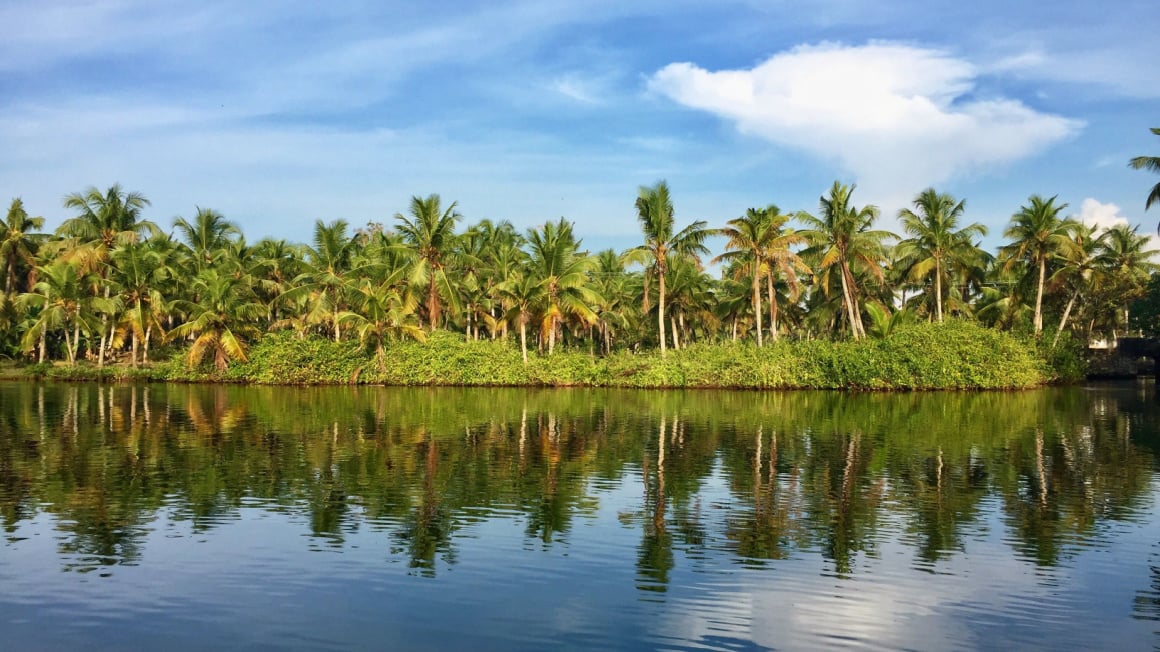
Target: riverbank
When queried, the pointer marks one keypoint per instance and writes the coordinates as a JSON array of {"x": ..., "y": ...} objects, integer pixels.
[{"x": 953, "y": 355}]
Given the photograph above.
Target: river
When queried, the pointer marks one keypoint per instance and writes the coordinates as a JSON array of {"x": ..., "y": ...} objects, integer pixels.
[{"x": 223, "y": 517}]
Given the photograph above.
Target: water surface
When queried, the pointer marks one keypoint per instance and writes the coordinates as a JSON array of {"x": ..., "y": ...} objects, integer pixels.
[{"x": 195, "y": 517}]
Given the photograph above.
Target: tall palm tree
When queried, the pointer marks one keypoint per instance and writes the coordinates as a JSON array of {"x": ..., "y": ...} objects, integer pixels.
[
  {"x": 520, "y": 293},
  {"x": 841, "y": 237},
  {"x": 936, "y": 244},
  {"x": 431, "y": 231},
  {"x": 138, "y": 275},
  {"x": 654, "y": 211},
  {"x": 1149, "y": 163},
  {"x": 18, "y": 242},
  {"x": 778, "y": 258},
  {"x": 64, "y": 303},
  {"x": 1077, "y": 270},
  {"x": 748, "y": 236},
  {"x": 1125, "y": 260},
  {"x": 1038, "y": 234},
  {"x": 207, "y": 235},
  {"x": 323, "y": 283},
  {"x": 103, "y": 222},
  {"x": 561, "y": 269}
]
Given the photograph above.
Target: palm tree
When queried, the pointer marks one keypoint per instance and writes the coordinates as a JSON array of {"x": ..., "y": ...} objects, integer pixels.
[
  {"x": 322, "y": 285},
  {"x": 221, "y": 319},
  {"x": 520, "y": 292},
  {"x": 842, "y": 237},
  {"x": 654, "y": 211},
  {"x": 61, "y": 295},
  {"x": 937, "y": 244},
  {"x": 1038, "y": 235},
  {"x": 1077, "y": 269},
  {"x": 1125, "y": 260},
  {"x": 431, "y": 231},
  {"x": 105, "y": 221},
  {"x": 139, "y": 272},
  {"x": 1149, "y": 163},
  {"x": 17, "y": 242},
  {"x": 209, "y": 234},
  {"x": 748, "y": 236},
  {"x": 383, "y": 311},
  {"x": 777, "y": 256},
  {"x": 561, "y": 271}
]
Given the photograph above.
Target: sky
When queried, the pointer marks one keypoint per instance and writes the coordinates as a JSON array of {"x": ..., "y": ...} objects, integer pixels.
[{"x": 278, "y": 113}]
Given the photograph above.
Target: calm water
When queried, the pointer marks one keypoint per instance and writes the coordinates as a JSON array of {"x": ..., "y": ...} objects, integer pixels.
[{"x": 183, "y": 517}]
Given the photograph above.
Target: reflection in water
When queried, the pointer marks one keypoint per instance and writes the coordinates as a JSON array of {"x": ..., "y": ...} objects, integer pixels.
[{"x": 757, "y": 480}]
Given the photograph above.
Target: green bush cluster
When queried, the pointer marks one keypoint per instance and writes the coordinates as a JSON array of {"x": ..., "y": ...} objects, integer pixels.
[{"x": 952, "y": 355}]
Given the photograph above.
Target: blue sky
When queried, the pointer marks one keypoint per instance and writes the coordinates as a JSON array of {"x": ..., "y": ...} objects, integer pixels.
[{"x": 278, "y": 113}]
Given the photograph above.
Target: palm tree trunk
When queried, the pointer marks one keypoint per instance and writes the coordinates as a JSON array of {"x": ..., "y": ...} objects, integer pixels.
[
  {"x": 772, "y": 305},
  {"x": 661, "y": 312},
  {"x": 145, "y": 352},
  {"x": 432, "y": 300},
  {"x": 524, "y": 338},
  {"x": 676, "y": 337},
  {"x": 757, "y": 301},
  {"x": 1066, "y": 314},
  {"x": 938, "y": 288},
  {"x": 133, "y": 351},
  {"x": 43, "y": 345},
  {"x": 551, "y": 335},
  {"x": 1039, "y": 296},
  {"x": 849, "y": 303}
]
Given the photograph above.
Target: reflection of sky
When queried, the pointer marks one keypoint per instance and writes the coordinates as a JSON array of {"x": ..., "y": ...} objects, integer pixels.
[{"x": 258, "y": 579}]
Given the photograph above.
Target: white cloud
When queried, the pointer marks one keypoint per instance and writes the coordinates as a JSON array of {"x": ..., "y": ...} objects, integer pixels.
[
  {"x": 1106, "y": 216},
  {"x": 898, "y": 117}
]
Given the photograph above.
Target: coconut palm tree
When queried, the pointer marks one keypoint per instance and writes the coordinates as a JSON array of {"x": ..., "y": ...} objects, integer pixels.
[
  {"x": 561, "y": 269},
  {"x": 138, "y": 274},
  {"x": 61, "y": 295},
  {"x": 1149, "y": 163},
  {"x": 937, "y": 246},
  {"x": 1125, "y": 262},
  {"x": 842, "y": 237},
  {"x": 221, "y": 319},
  {"x": 1077, "y": 270},
  {"x": 322, "y": 285},
  {"x": 520, "y": 293},
  {"x": 430, "y": 230},
  {"x": 1038, "y": 235},
  {"x": 654, "y": 211},
  {"x": 779, "y": 259},
  {"x": 383, "y": 311},
  {"x": 18, "y": 242},
  {"x": 748, "y": 237},
  {"x": 104, "y": 221},
  {"x": 208, "y": 235}
]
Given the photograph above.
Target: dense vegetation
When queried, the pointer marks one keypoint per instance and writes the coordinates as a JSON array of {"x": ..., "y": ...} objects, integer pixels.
[{"x": 535, "y": 307}]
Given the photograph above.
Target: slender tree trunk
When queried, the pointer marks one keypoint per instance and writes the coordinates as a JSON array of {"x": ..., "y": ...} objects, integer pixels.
[
  {"x": 938, "y": 288},
  {"x": 145, "y": 352},
  {"x": 734, "y": 328},
  {"x": 524, "y": 338},
  {"x": 684, "y": 329},
  {"x": 772, "y": 305},
  {"x": 1066, "y": 314},
  {"x": 1039, "y": 296},
  {"x": 43, "y": 345},
  {"x": 552, "y": 336},
  {"x": 133, "y": 351},
  {"x": 10, "y": 277},
  {"x": 757, "y": 301},
  {"x": 846, "y": 298},
  {"x": 661, "y": 311},
  {"x": 676, "y": 337},
  {"x": 432, "y": 302}
]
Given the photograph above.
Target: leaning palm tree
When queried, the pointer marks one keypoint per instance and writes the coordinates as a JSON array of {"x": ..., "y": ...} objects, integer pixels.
[
  {"x": 1038, "y": 235},
  {"x": 654, "y": 211},
  {"x": 937, "y": 246},
  {"x": 1077, "y": 271},
  {"x": 842, "y": 237},
  {"x": 430, "y": 230},
  {"x": 1149, "y": 163},
  {"x": 18, "y": 242}
]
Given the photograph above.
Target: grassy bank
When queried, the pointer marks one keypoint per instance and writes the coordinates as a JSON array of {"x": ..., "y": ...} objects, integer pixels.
[{"x": 954, "y": 355}]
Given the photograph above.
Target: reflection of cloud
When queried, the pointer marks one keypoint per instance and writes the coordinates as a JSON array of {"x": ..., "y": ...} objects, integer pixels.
[{"x": 899, "y": 117}]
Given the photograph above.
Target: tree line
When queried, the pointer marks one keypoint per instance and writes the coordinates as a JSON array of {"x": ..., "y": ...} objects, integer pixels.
[{"x": 110, "y": 284}]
